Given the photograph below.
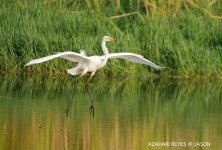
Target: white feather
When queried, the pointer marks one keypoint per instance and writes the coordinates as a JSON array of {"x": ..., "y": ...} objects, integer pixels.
[
  {"x": 133, "y": 58},
  {"x": 93, "y": 63},
  {"x": 71, "y": 56}
]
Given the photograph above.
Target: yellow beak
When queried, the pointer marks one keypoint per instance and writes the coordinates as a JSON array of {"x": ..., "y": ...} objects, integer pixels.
[{"x": 111, "y": 39}]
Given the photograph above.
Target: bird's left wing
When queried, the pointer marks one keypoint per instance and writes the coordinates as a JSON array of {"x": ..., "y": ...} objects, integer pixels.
[
  {"x": 72, "y": 56},
  {"x": 133, "y": 58},
  {"x": 83, "y": 52}
]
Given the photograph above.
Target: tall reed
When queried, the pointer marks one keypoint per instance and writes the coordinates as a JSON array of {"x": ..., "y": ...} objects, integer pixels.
[{"x": 181, "y": 35}]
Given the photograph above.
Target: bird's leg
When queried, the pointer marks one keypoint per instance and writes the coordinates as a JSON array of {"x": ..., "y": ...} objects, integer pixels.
[
  {"x": 84, "y": 71},
  {"x": 91, "y": 108},
  {"x": 72, "y": 91},
  {"x": 80, "y": 77},
  {"x": 91, "y": 75}
]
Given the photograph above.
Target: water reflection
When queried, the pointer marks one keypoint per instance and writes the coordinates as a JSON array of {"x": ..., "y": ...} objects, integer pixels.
[{"x": 129, "y": 113}]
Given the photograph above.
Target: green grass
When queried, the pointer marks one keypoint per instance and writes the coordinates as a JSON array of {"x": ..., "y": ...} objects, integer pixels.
[{"x": 188, "y": 42}]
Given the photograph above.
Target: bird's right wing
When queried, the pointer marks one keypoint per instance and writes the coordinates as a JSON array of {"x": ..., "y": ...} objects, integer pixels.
[
  {"x": 72, "y": 56},
  {"x": 134, "y": 58}
]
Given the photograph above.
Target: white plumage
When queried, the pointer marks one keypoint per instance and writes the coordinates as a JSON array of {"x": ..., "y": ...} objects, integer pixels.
[{"x": 93, "y": 63}]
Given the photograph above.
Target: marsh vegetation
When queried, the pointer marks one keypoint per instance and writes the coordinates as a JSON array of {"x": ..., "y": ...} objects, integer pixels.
[{"x": 183, "y": 35}]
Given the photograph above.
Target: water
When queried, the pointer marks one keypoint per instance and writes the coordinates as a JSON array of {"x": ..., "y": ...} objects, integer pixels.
[{"x": 130, "y": 113}]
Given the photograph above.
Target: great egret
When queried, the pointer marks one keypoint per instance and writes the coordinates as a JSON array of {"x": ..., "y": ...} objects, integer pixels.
[{"x": 93, "y": 63}]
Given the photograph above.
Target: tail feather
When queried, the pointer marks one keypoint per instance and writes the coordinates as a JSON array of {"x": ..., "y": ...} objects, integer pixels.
[{"x": 73, "y": 71}]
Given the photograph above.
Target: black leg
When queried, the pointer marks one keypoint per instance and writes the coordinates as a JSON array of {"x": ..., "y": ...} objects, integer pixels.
[
  {"x": 91, "y": 108},
  {"x": 72, "y": 91}
]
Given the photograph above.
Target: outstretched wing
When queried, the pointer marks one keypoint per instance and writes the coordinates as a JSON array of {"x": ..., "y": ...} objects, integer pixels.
[
  {"x": 83, "y": 52},
  {"x": 133, "y": 58},
  {"x": 71, "y": 56}
]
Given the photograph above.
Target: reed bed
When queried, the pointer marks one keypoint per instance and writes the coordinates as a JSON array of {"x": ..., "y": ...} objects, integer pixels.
[{"x": 185, "y": 36}]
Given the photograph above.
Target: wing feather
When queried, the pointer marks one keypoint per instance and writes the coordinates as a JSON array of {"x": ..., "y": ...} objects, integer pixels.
[
  {"x": 72, "y": 56},
  {"x": 133, "y": 58}
]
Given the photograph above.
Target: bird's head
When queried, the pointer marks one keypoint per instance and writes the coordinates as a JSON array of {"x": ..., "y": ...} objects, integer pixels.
[{"x": 107, "y": 38}]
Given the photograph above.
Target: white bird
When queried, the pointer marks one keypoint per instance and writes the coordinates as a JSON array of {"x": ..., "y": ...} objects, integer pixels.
[{"x": 93, "y": 63}]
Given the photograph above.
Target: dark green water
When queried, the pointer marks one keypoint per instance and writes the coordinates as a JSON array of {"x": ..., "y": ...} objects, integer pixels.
[{"x": 130, "y": 113}]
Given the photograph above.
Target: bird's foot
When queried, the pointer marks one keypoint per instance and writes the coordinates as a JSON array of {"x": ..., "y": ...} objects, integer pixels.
[
  {"x": 66, "y": 111},
  {"x": 91, "y": 109}
]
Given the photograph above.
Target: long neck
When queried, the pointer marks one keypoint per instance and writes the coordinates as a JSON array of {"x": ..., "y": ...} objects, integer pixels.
[{"x": 106, "y": 52}]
